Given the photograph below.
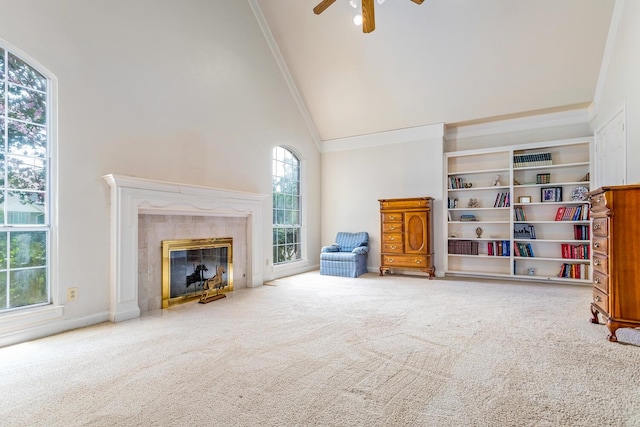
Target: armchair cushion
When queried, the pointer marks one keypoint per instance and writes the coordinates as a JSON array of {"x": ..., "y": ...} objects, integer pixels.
[{"x": 349, "y": 241}]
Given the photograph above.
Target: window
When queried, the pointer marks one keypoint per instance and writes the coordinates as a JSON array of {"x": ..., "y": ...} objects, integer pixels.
[
  {"x": 286, "y": 207},
  {"x": 24, "y": 154}
]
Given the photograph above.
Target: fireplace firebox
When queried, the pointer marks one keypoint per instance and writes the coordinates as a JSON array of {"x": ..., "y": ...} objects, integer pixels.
[{"x": 198, "y": 268}]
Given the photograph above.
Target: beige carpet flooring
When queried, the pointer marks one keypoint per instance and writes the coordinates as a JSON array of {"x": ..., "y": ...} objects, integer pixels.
[{"x": 312, "y": 350}]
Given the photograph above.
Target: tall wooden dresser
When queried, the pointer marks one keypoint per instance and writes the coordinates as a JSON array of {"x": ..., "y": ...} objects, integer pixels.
[
  {"x": 615, "y": 211},
  {"x": 406, "y": 230}
]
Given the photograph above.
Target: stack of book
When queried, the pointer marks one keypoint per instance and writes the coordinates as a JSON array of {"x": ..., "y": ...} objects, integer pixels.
[
  {"x": 581, "y": 232},
  {"x": 502, "y": 200},
  {"x": 532, "y": 159},
  {"x": 499, "y": 248},
  {"x": 523, "y": 250},
  {"x": 575, "y": 251},
  {"x": 574, "y": 271},
  {"x": 573, "y": 213},
  {"x": 524, "y": 231},
  {"x": 519, "y": 213},
  {"x": 463, "y": 247},
  {"x": 467, "y": 217}
]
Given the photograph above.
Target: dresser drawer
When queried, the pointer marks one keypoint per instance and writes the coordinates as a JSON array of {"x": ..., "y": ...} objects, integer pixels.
[
  {"x": 601, "y": 300},
  {"x": 392, "y": 248},
  {"x": 601, "y": 263},
  {"x": 392, "y": 238},
  {"x": 406, "y": 261},
  {"x": 392, "y": 227},
  {"x": 601, "y": 227},
  {"x": 392, "y": 216},
  {"x": 404, "y": 203},
  {"x": 601, "y": 281},
  {"x": 601, "y": 244}
]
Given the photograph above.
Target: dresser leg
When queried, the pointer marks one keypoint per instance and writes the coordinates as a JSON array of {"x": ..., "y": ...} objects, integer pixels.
[
  {"x": 613, "y": 327},
  {"x": 594, "y": 314}
]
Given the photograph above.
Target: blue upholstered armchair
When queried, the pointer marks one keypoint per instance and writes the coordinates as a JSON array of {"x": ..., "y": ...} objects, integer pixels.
[{"x": 347, "y": 257}]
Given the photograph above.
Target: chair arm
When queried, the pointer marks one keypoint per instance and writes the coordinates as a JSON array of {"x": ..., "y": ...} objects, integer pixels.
[
  {"x": 361, "y": 250},
  {"x": 331, "y": 248}
]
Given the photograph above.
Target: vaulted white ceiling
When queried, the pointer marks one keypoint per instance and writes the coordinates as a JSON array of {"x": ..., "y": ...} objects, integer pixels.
[{"x": 442, "y": 61}]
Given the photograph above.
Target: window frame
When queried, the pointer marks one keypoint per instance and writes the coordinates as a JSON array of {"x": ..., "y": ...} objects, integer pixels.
[{"x": 47, "y": 309}]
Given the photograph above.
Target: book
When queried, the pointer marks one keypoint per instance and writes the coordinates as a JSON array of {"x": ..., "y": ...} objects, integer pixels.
[{"x": 560, "y": 213}]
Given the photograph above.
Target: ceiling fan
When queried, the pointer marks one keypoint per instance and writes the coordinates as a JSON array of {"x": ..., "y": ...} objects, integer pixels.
[{"x": 368, "y": 15}]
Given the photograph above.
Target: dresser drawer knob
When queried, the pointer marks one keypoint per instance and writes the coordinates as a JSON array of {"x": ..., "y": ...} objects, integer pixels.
[
  {"x": 599, "y": 199},
  {"x": 392, "y": 228},
  {"x": 596, "y": 262},
  {"x": 597, "y": 280},
  {"x": 389, "y": 260},
  {"x": 597, "y": 298},
  {"x": 418, "y": 261},
  {"x": 392, "y": 217},
  {"x": 393, "y": 247},
  {"x": 596, "y": 226},
  {"x": 596, "y": 245}
]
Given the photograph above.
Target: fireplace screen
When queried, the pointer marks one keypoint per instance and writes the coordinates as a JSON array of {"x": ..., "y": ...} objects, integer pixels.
[{"x": 193, "y": 268}]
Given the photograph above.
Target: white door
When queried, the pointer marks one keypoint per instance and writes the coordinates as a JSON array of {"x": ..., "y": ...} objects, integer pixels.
[{"x": 610, "y": 163}]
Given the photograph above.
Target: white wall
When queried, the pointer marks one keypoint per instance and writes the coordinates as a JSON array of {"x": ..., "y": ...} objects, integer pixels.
[
  {"x": 185, "y": 91},
  {"x": 620, "y": 84},
  {"x": 382, "y": 166}
]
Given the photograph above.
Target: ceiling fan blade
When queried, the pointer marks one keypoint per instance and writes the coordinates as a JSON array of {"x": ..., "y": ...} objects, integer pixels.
[
  {"x": 418, "y": 1},
  {"x": 368, "y": 16},
  {"x": 322, "y": 6}
]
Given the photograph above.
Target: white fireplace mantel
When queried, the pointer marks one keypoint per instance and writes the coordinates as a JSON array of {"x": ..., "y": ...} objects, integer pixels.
[{"x": 131, "y": 196}]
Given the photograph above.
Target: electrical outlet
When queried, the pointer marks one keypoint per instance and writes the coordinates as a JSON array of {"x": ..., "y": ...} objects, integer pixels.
[{"x": 72, "y": 294}]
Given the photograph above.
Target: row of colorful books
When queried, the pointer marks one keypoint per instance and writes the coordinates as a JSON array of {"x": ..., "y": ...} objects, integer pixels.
[
  {"x": 456, "y": 182},
  {"x": 580, "y": 251},
  {"x": 503, "y": 200},
  {"x": 574, "y": 271},
  {"x": 499, "y": 248},
  {"x": 532, "y": 159},
  {"x": 573, "y": 213},
  {"x": 523, "y": 250}
]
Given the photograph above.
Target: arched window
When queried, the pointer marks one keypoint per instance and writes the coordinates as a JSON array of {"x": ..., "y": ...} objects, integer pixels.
[
  {"x": 24, "y": 184},
  {"x": 287, "y": 245}
]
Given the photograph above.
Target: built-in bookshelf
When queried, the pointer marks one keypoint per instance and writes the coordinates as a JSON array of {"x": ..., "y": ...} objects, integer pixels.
[{"x": 520, "y": 211}]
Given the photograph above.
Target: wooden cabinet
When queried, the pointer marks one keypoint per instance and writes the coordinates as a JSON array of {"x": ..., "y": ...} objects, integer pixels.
[
  {"x": 406, "y": 234},
  {"x": 616, "y": 261}
]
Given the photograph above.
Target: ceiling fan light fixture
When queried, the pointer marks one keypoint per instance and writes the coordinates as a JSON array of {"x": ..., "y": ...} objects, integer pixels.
[{"x": 357, "y": 19}]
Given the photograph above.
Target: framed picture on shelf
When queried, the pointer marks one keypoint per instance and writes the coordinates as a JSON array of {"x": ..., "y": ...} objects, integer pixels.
[
  {"x": 551, "y": 194},
  {"x": 524, "y": 199}
]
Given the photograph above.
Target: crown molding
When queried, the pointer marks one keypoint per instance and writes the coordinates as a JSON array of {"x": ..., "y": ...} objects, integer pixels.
[
  {"x": 518, "y": 124},
  {"x": 286, "y": 74},
  {"x": 399, "y": 136}
]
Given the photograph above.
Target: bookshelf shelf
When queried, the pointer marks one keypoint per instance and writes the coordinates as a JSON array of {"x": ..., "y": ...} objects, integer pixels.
[{"x": 523, "y": 180}]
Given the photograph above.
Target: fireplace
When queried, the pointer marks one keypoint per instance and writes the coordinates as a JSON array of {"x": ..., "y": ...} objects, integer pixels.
[
  {"x": 196, "y": 268},
  {"x": 132, "y": 197}
]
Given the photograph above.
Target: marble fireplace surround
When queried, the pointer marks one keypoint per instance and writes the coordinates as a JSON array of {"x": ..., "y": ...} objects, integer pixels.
[{"x": 131, "y": 196}]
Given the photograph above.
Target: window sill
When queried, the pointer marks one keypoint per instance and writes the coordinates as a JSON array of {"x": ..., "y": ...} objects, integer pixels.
[{"x": 19, "y": 320}]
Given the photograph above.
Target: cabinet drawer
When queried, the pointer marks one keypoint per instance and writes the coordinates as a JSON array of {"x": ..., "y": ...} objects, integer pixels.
[
  {"x": 405, "y": 261},
  {"x": 394, "y": 248},
  {"x": 598, "y": 202},
  {"x": 601, "y": 227},
  {"x": 601, "y": 300},
  {"x": 392, "y": 227},
  {"x": 601, "y": 244},
  {"x": 601, "y": 263},
  {"x": 392, "y": 216},
  {"x": 601, "y": 281}
]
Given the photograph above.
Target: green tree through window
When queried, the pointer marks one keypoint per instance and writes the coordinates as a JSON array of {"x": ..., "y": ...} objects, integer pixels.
[
  {"x": 24, "y": 219},
  {"x": 286, "y": 207}
]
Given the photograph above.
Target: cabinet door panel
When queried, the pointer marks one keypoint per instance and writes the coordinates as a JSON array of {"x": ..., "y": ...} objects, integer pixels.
[{"x": 416, "y": 232}]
